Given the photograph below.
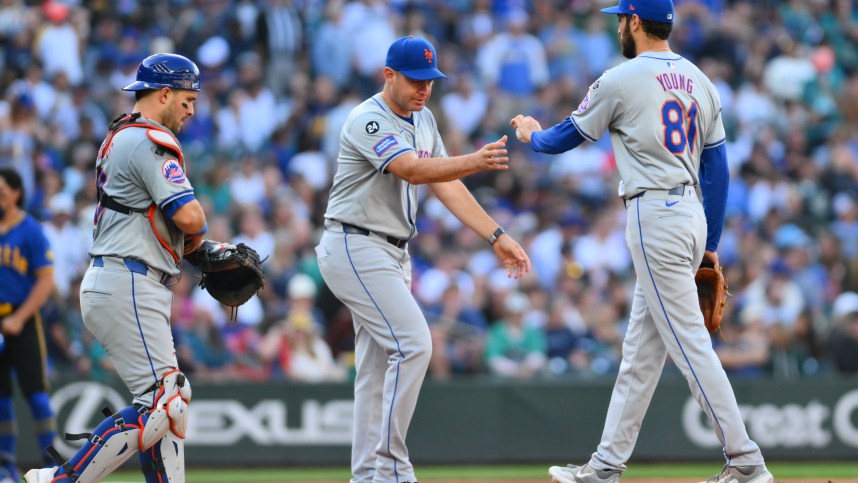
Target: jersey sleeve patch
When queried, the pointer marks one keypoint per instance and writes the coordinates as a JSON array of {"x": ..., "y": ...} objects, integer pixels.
[
  {"x": 172, "y": 170},
  {"x": 584, "y": 104},
  {"x": 384, "y": 145}
]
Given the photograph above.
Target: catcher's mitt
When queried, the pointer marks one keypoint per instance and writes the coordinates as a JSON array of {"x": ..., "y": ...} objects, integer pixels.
[
  {"x": 231, "y": 273},
  {"x": 712, "y": 294}
]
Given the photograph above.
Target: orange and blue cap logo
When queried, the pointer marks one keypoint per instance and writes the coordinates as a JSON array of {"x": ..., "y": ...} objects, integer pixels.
[
  {"x": 172, "y": 170},
  {"x": 429, "y": 56}
]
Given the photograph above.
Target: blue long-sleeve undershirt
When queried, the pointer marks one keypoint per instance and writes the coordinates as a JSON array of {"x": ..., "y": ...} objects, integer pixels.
[
  {"x": 714, "y": 183},
  {"x": 558, "y": 139}
]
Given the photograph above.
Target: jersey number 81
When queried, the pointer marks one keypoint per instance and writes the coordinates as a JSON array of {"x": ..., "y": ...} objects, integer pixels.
[{"x": 676, "y": 134}]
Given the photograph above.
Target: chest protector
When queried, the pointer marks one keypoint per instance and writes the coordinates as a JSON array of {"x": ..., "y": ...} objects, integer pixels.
[{"x": 165, "y": 140}]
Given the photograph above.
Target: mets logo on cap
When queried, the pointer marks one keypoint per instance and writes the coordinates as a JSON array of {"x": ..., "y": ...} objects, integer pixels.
[
  {"x": 172, "y": 170},
  {"x": 415, "y": 58}
]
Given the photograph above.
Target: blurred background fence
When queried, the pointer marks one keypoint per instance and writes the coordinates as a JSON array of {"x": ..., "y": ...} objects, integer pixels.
[{"x": 480, "y": 422}]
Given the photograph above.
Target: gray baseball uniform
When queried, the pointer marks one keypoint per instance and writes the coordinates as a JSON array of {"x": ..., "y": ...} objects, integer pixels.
[
  {"x": 363, "y": 259},
  {"x": 123, "y": 299},
  {"x": 141, "y": 188},
  {"x": 662, "y": 112}
]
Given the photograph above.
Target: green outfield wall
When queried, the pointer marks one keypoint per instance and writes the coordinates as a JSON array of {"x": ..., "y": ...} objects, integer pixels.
[{"x": 476, "y": 421}]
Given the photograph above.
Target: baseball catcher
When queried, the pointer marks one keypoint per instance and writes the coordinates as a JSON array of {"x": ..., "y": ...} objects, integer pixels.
[
  {"x": 231, "y": 273},
  {"x": 712, "y": 294}
]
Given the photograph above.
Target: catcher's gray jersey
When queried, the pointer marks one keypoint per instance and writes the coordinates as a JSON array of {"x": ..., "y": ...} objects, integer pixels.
[
  {"x": 363, "y": 193},
  {"x": 652, "y": 102},
  {"x": 137, "y": 169}
]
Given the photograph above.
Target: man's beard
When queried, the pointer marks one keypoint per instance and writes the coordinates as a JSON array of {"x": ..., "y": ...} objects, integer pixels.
[
  {"x": 2, "y": 212},
  {"x": 170, "y": 120},
  {"x": 630, "y": 50}
]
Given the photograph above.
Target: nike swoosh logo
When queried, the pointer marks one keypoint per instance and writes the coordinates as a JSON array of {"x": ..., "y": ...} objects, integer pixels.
[{"x": 669, "y": 204}]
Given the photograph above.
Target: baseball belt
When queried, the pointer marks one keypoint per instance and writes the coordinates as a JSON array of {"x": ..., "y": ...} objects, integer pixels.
[
  {"x": 679, "y": 190},
  {"x": 131, "y": 265},
  {"x": 356, "y": 230}
]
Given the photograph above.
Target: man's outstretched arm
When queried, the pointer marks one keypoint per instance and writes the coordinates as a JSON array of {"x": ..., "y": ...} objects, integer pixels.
[
  {"x": 558, "y": 139},
  {"x": 461, "y": 203}
]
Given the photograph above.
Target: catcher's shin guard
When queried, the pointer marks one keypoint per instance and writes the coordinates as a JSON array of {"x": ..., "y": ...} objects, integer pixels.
[
  {"x": 165, "y": 461},
  {"x": 161, "y": 441},
  {"x": 173, "y": 455},
  {"x": 107, "y": 447},
  {"x": 170, "y": 413}
]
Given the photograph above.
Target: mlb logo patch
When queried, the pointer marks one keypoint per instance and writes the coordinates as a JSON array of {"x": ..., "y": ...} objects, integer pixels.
[
  {"x": 172, "y": 170},
  {"x": 382, "y": 146},
  {"x": 671, "y": 65}
]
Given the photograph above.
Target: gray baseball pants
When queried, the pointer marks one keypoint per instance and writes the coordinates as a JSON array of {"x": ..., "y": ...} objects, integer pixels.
[
  {"x": 129, "y": 314},
  {"x": 392, "y": 348},
  {"x": 667, "y": 236}
]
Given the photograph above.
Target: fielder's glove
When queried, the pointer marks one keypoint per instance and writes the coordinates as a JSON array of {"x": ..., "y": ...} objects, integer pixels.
[
  {"x": 231, "y": 273},
  {"x": 712, "y": 294}
]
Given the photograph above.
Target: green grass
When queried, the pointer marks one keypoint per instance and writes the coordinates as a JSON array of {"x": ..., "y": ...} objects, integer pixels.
[
  {"x": 781, "y": 470},
  {"x": 841, "y": 472}
]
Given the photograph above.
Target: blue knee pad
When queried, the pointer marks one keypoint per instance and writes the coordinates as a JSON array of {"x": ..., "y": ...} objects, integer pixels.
[
  {"x": 7, "y": 410},
  {"x": 40, "y": 405}
]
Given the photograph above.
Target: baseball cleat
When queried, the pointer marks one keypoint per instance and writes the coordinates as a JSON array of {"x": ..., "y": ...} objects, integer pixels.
[
  {"x": 40, "y": 475},
  {"x": 582, "y": 474},
  {"x": 742, "y": 474}
]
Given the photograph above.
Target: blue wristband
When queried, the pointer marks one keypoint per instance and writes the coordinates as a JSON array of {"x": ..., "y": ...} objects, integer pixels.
[
  {"x": 203, "y": 230},
  {"x": 494, "y": 236}
]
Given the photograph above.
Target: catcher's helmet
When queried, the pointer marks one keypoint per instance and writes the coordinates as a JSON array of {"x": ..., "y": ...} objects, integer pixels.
[{"x": 166, "y": 70}]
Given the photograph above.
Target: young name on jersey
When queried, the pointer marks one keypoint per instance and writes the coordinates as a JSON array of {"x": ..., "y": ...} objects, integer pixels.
[{"x": 672, "y": 80}]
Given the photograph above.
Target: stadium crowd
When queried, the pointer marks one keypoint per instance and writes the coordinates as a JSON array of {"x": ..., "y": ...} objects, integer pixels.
[{"x": 278, "y": 79}]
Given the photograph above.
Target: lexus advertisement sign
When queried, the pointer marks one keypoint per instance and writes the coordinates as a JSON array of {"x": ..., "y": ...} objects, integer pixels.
[{"x": 279, "y": 423}]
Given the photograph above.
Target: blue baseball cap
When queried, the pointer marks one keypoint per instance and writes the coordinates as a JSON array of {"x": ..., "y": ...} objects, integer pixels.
[
  {"x": 415, "y": 58},
  {"x": 655, "y": 10}
]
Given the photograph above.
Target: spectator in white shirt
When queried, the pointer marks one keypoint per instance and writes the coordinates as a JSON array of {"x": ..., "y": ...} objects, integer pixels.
[
  {"x": 68, "y": 244},
  {"x": 58, "y": 44},
  {"x": 465, "y": 106}
]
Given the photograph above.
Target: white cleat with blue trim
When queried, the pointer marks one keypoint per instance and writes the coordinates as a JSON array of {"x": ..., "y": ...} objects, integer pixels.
[
  {"x": 742, "y": 474},
  {"x": 582, "y": 474}
]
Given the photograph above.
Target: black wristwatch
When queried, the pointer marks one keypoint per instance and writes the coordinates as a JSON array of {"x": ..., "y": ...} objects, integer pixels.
[{"x": 494, "y": 236}]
